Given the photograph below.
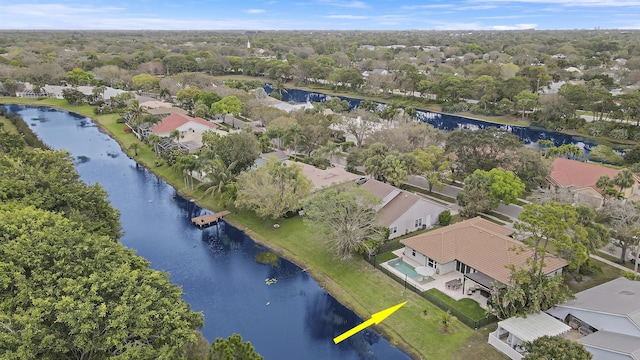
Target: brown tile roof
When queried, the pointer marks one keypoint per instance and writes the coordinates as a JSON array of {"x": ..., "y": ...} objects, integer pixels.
[
  {"x": 176, "y": 120},
  {"x": 167, "y": 111},
  {"x": 479, "y": 243},
  {"x": 565, "y": 172},
  {"x": 396, "y": 207},
  {"x": 378, "y": 188},
  {"x": 324, "y": 178}
]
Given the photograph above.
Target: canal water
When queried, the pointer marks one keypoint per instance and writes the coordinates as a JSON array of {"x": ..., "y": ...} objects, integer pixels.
[
  {"x": 281, "y": 310},
  {"x": 448, "y": 122}
]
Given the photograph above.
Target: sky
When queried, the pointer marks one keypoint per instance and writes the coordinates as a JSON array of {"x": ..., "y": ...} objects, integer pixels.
[{"x": 319, "y": 14}]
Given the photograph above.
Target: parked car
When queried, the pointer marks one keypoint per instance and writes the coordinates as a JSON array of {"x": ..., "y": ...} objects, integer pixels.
[{"x": 633, "y": 256}]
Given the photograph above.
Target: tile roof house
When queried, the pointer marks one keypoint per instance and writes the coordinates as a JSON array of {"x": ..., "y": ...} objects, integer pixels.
[
  {"x": 325, "y": 178},
  {"x": 476, "y": 248},
  {"x": 190, "y": 129},
  {"x": 581, "y": 177},
  {"x": 401, "y": 211},
  {"x": 609, "y": 316}
]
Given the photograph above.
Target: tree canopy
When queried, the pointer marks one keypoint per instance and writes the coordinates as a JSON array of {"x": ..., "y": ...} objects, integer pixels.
[
  {"x": 344, "y": 217},
  {"x": 232, "y": 348},
  {"x": 484, "y": 190},
  {"x": 273, "y": 189},
  {"x": 67, "y": 293},
  {"x": 47, "y": 180},
  {"x": 555, "y": 347}
]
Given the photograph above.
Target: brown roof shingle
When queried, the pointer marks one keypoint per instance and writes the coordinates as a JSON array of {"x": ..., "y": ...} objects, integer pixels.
[
  {"x": 396, "y": 207},
  {"x": 479, "y": 243},
  {"x": 565, "y": 172},
  {"x": 175, "y": 120}
]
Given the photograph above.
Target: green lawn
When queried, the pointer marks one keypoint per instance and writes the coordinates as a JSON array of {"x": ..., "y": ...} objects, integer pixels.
[
  {"x": 468, "y": 306},
  {"x": 603, "y": 274},
  {"x": 8, "y": 125}
]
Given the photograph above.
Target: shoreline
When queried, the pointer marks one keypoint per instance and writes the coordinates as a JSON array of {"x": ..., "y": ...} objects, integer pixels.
[{"x": 324, "y": 281}]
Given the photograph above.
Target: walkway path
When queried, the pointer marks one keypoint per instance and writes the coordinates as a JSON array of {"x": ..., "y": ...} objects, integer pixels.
[
  {"x": 511, "y": 210},
  {"x": 608, "y": 262}
]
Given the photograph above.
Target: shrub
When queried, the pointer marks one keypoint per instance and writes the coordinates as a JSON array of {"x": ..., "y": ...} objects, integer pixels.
[
  {"x": 345, "y": 146},
  {"x": 267, "y": 258},
  {"x": 444, "y": 218}
]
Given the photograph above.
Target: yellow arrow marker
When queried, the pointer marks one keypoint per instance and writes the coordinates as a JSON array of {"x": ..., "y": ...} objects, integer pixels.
[{"x": 375, "y": 319}]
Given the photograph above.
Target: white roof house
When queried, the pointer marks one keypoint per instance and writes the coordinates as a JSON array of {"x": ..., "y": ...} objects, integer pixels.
[
  {"x": 514, "y": 331},
  {"x": 402, "y": 211},
  {"x": 609, "y": 314},
  {"x": 609, "y": 345}
]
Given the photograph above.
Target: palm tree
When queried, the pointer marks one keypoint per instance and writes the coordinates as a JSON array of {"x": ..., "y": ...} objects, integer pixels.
[
  {"x": 134, "y": 146},
  {"x": 292, "y": 136},
  {"x": 219, "y": 176},
  {"x": 446, "y": 319},
  {"x": 185, "y": 165},
  {"x": 153, "y": 140},
  {"x": 176, "y": 134},
  {"x": 135, "y": 113},
  {"x": 624, "y": 180},
  {"x": 279, "y": 86},
  {"x": 604, "y": 182},
  {"x": 331, "y": 151},
  {"x": 98, "y": 92},
  {"x": 164, "y": 93}
]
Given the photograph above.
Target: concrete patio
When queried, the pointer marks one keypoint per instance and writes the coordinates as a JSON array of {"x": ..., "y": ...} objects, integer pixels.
[{"x": 438, "y": 282}]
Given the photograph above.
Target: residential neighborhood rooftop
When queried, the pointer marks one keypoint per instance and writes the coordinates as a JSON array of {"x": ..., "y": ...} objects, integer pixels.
[
  {"x": 620, "y": 296},
  {"x": 481, "y": 244},
  {"x": 566, "y": 172},
  {"x": 616, "y": 342},
  {"x": 175, "y": 120},
  {"x": 325, "y": 178},
  {"x": 534, "y": 326}
]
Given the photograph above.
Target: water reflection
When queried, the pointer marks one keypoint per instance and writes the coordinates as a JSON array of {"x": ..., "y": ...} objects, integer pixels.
[{"x": 447, "y": 122}]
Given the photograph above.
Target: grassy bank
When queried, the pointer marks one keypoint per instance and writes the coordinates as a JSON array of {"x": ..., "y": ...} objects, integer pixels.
[{"x": 354, "y": 283}]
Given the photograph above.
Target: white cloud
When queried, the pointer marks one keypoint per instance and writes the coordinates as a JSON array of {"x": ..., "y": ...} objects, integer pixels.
[
  {"x": 514, "y": 27},
  {"x": 341, "y": 3},
  {"x": 475, "y": 7},
  {"x": 54, "y": 9},
  {"x": 254, "y": 11},
  {"x": 353, "y": 17},
  {"x": 570, "y": 3},
  {"x": 426, "y": 7}
]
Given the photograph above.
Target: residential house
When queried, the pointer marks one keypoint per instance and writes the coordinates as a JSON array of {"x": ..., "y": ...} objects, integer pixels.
[
  {"x": 402, "y": 211},
  {"x": 581, "y": 177},
  {"x": 56, "y": 91},
  {"x": 481, "y": 251},
  {"x": 325, "y": 178},
  {"x": 609, "y": 317},
  {"x": 513, "y": 332},
  {"x": 189, "y": 128},
  {"x": 381, "y": 72}
]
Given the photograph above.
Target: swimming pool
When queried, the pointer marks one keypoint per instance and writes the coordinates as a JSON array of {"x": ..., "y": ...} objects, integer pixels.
[{"x": 404, "y": 268}]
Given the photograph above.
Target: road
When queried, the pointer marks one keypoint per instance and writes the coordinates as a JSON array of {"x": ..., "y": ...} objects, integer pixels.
[{"x": 511, "y": 210}]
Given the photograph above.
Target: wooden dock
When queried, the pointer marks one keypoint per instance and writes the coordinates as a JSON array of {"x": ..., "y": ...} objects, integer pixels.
[{"x": 208, "y": 219}]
